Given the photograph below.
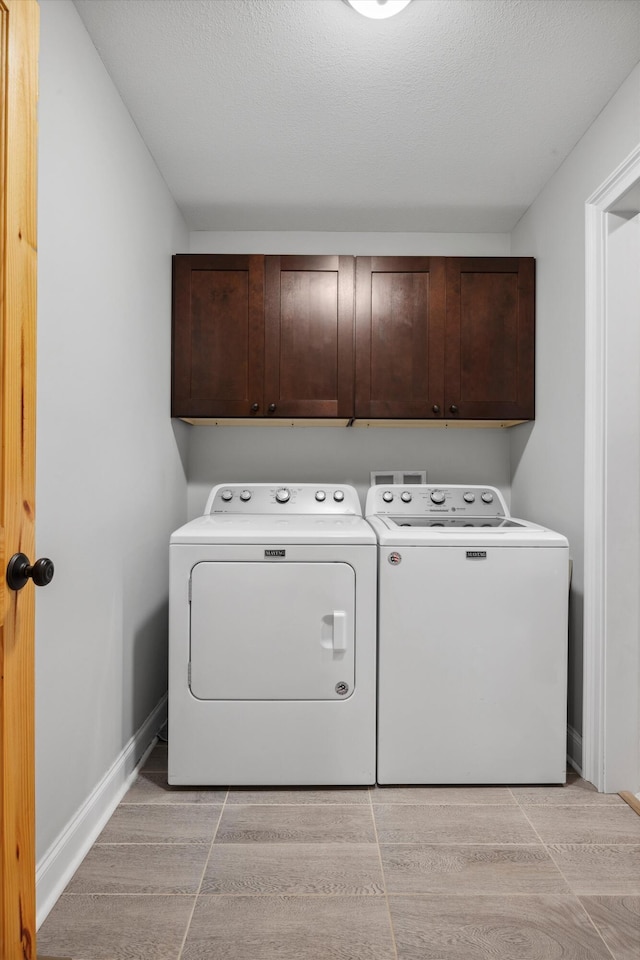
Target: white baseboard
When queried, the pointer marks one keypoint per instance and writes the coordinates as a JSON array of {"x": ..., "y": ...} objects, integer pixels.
[
  {"x": 574, "y": 749},
  {"x": 69, "y": 849}
]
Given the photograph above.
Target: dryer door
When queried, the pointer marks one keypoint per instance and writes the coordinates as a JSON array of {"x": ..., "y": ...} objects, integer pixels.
[{"x": 272, "y": 631}]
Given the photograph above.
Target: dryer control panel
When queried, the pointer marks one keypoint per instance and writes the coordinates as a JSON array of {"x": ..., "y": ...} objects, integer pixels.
[
  {"x": 284, "y": 498},
  {"x": 426, "y": 499}
]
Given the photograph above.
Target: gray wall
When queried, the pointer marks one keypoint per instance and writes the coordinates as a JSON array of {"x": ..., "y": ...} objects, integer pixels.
[
  {"x": 547, "y": 457},
  {"x": 110, "y": 479}
]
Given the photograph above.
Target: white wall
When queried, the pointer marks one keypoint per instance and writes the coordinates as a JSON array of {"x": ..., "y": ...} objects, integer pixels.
[
  {"x": 220, "y": 454},
  {"x": 110, "y": 477},
  {"x": 547, "y": 458}
]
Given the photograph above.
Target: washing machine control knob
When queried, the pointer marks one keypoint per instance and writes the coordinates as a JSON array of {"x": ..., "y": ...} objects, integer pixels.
[
  {"x": 320, "y": 496},
  {"x": 469, "y": 497},
  {"x": 437, "y": 496},
  {"x": 387, "y": 496},
  {"x": 245, "y": 496},
  {"x": 406, "y": 496},
  {"x": 338, "y": 496},
  {"x": 227, "y": 495},
  {"x": 282, "y": 495},
  {"x": 487, "y": 497}
]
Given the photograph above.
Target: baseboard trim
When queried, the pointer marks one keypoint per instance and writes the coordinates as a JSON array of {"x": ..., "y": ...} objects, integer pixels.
[
  {"x": 72, "y": 844},
  {"x": 574, "y": 749}
]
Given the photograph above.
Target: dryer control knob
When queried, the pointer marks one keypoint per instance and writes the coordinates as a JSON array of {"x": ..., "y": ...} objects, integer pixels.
[
  {"x": 282, "y": 495},
  {"x": 227, "y": 495},
  {"x": 338, "y": 496},
  {"x": 487, "y": 497},
  {"x": 387, "y": 496},
  {"x": 437, "y": 496},
  {"x": 406, "y": 496},
  {"x": 320, "y": 496},
  {"x": 245, "y": 496},
  {"x": 469, "y": 497}
]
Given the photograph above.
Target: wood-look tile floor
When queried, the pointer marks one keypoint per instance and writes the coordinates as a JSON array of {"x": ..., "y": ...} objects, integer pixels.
[{"x": 380, "y": 873}]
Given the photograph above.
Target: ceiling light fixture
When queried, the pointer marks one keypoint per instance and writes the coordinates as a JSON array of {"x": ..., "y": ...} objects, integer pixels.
[{"x": 378, "y": 9}]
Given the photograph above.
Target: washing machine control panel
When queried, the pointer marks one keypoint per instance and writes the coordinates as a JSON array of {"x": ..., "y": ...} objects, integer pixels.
[
  {"x": 287, "y": 498},
  {"x": 427, "y": 499}
]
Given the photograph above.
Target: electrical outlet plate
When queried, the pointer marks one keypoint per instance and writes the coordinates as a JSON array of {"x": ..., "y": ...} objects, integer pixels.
[{"x": 386, "y": 477}]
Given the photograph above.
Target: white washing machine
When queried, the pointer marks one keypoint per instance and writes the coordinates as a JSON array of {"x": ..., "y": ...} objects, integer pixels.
[
  {"x": 472, "y": 639},
  {"x": 272, "y": 639}
]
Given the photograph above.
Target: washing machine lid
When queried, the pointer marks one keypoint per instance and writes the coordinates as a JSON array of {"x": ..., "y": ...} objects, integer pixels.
[
  {"x": 463, "y": 532},
  {"x": 261, "y": 528}
]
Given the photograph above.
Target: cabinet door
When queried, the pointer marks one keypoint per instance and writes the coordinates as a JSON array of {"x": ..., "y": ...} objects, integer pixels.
[
  {"x": 490, "y": 334},
  {"x": 400, "y": 312},
  {"x": 309, "y": 336},
  {"x": 218, "y": 336}
]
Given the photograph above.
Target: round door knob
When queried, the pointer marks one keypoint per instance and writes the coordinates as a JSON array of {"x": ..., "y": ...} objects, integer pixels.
[
  {"x": 435, "y": 408},
  {"x": 255, "y": 407},
  {"x": 19, "y": 570},
  {"x": 272, "y": 408},
  {"x": 453, "y": 408}
]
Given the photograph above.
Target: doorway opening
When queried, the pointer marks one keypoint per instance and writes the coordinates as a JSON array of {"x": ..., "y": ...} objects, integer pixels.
[{"x": 611, "y": 736}]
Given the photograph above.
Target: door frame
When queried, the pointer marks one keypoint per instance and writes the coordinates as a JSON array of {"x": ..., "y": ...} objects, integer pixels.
[{"x": 607, "y": 678}]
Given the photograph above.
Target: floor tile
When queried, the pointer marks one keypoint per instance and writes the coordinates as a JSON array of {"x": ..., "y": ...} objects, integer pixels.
[
  {"x": 585, "y": 824},
  {"x": 618, "y": 920},
  {"x": 152, "y": 787},
  {"x": 442, "y": 795},
  {"x": 289, "y": 928},
  {"x": 575, "y": 790},
  {"x": 468, "y": 868},
  {"x": 273, "y": 795},
  {"x": 296, "y": 824},
  {"x": 116, "y": 928},
  {"x": 161, "y": 823},
  {"x": 493, "y": 928},
  {"x": 294, "y": 868},
  {"x": 404, "y": 823},
  {"x": 593, "y": 869},
  {"x": 160, "y": 868}
]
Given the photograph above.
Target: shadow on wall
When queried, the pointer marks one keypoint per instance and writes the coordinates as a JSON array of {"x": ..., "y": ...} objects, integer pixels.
[{"x": 148, "y": 659}]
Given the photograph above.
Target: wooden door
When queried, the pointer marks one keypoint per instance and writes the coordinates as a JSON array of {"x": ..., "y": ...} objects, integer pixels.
[
  {"x": 490, "y": 338},
  {"x": 218, "y": 336},
  {"x": 309, "y": 336},
  {"x": 18, "y": 77},
  {"x": 400, "y": 314}
]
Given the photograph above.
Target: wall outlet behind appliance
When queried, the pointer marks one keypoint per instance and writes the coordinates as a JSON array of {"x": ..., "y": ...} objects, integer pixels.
[{"x": 385, "y": 477}]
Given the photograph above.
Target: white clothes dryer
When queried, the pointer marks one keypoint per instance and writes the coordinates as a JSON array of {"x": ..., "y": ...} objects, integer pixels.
[
  {"x": 272, "y": 639},
  {"x": 472, "y": 648}
]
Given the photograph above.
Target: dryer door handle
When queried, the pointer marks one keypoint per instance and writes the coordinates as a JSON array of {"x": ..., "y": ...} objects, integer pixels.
[{"x": 339, "y": 630}]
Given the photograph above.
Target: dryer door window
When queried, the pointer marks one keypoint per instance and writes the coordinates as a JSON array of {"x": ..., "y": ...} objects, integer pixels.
[{"x": 272, "y": 631}]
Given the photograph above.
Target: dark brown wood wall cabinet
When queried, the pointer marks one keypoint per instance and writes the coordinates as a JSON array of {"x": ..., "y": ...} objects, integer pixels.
[
  {"x": 377, "y": 338},
  {"x": 257, "y": 336}
]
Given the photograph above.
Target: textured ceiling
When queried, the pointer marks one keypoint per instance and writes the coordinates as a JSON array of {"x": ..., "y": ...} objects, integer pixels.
[{"x": 303, "y": 115}]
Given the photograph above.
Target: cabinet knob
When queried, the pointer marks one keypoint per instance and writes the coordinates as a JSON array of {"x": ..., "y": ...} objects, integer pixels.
[
  {"x": 272, "y": 408},
  {"x": 435, "y": 408},
  {"x": 453, "y": 408},
  {"x": 255, "y": 407}
]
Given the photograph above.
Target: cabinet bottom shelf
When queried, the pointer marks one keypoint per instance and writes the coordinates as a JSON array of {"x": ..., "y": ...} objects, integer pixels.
[{"x": 285, "y": 422}]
